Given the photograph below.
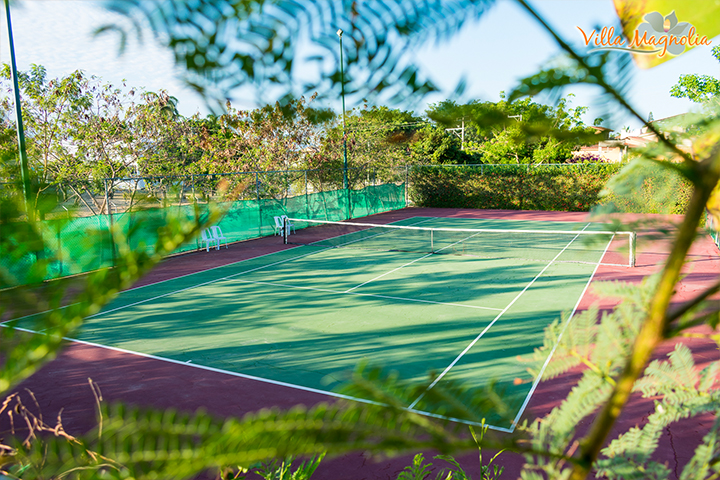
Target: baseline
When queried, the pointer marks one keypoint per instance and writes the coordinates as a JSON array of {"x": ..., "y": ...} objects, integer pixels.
[{"x": 264, "y": 380}]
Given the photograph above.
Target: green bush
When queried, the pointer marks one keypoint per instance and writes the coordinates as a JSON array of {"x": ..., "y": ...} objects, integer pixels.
[
  {"x": 572, "y": 188},
  {"x": 644, "y": 187}
]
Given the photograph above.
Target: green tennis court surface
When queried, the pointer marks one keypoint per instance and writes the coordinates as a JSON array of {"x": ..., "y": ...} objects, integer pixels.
[{"x": 306, "y": 316}]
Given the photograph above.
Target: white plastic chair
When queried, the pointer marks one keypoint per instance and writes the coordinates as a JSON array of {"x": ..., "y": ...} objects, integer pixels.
[
  {"x": 218, "y": 236},
  {"x": 291, "y": 226},
  {"x": 207, "y": 239},
  {"x": 278, "y": 225}
]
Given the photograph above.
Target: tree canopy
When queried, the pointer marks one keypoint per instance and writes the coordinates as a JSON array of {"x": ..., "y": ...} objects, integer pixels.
[
  {"x": 522, "y": 131},
  {"x": 698, "y": 88}
]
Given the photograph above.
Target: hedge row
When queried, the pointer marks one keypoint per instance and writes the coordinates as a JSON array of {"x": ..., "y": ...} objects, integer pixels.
[{"x": 574, "y": 188}]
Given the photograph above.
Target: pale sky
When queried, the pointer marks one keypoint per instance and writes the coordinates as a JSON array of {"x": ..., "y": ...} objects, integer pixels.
[{"x": 492, "y": 54}]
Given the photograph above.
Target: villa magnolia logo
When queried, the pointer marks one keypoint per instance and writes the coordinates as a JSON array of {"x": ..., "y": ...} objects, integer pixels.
[{"x": 656, "y": 35}]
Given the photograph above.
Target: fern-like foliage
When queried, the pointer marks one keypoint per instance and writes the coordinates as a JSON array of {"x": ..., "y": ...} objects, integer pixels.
[
  {"x": 683, "y": 391},
  {"x": 225, "y": 44},
  {"x": 601, "y": 346},
  {"x": 145, "y": 444},
  {"x": 447, "y": 399},
  {"x": 283, "y": 470},
  {"x": 62, "y": 312},
  {"x": 418, "y": 470}
]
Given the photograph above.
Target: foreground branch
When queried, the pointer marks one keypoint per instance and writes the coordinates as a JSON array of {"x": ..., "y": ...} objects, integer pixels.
[{"x": 655, "y": 325}]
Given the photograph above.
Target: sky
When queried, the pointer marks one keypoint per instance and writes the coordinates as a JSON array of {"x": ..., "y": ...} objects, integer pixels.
[{"x": 491, "y": 55}]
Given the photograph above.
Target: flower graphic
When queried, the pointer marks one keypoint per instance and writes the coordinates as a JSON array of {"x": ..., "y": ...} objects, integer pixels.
[{"x": 658, "y": 26}]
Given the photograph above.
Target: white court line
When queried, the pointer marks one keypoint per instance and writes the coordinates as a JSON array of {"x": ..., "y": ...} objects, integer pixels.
[
  {"x": 204, "y": 283},
  {"x": 38, "y": 313},
  {"x": 210, "y": 269},
  {"x": 409, "y": 263},
  {"x": 387, "y": 273},
  {"x": 156, "y": 283},
  {"x": 338, "y": 292},
  {"x": 462, "y": 354},
  {"x": 159, "y": 282},
  {"x": 183, "y": 276},
  {"x": 547, "y": 360},
  {"x": 263, "y": 380}
]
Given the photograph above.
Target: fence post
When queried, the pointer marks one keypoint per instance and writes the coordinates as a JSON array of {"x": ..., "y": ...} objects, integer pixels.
[
  {"x": 59, "y": 249},
  {"x": 195, "y": 208},
  {"x": 307, "y": 199},
  {"x": 407, "y": 186},
  {"x": 348, "y": 210},
  {"x": 257, "y": 195},
  {"x": 110, "y": 222},
  {"x": 182, "y": 194}
]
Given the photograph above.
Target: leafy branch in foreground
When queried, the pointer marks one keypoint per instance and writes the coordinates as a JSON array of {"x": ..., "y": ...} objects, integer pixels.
[
  {"x": 57, "y": 309},
  {"x": 144, "y": 444},
  {"x": 224, "y": 45},
  {"x": 702, "y": 170}
]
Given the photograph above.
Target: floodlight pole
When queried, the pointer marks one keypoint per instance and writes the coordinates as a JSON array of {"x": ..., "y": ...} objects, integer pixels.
[
  {"x": 24, "y": 171},
  {"x": 342, "y": 90}
]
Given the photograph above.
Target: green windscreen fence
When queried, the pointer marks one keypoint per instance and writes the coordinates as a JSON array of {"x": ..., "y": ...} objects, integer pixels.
[{"x": 83, "y": 244}]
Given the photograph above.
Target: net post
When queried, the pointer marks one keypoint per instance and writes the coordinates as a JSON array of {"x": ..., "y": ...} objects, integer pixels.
[
  {"x": 432, "y": 243},
  {"x": 633, "y": 244},
  {"x": 285, "y": 222}
]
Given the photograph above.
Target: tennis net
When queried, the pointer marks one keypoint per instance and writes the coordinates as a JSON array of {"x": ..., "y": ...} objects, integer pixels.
[{"x": 581, "y": 246}]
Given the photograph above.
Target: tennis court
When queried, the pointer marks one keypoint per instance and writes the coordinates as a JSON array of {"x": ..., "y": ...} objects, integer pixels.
[{"x": 305, "y": 316}]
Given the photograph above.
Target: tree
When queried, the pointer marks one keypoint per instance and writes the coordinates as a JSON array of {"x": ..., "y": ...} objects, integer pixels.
[
  {"x": 434, "y": 144},
  {"x": 518, "y": 132},
  {"x": 81, "y": 131},
  {"x": 379, "y": 139},
  {"x": 273, "y": 137},
  {"x": 698, "y": 88},
  {"x": 48, "y": 106},
  {"x": 706, "y": 90}
]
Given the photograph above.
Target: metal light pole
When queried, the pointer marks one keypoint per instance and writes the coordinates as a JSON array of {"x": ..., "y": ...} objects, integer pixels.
[
  {"x": 342, "y": 90},
  {"x": 25, "y": 173}
]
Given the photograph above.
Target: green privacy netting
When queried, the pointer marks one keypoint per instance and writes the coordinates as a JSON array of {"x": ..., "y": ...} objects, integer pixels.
[{"x": 83, "y": 244}]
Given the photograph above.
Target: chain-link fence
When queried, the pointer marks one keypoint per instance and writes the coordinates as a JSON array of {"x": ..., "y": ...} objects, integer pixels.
[{"x": 78, "y": 237}]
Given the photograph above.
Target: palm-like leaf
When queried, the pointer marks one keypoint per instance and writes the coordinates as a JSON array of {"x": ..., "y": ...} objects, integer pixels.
[{"x": 226, "y": 44}]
